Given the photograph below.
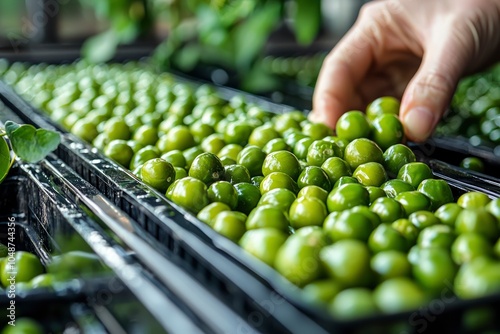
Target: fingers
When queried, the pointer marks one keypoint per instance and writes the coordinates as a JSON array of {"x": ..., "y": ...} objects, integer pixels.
[
  {"x": 446, "y": 35},
  {"x": 342, "y": 72},
  {"x": 454, "y": 45},
  {"x": 428, "y": 94}
]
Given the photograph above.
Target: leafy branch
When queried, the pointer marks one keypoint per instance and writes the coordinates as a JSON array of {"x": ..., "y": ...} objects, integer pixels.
[
  {"x": 128, "y": 20},
  {"x": 28, "y": 143},
  {"x": 227, "y": 33}
]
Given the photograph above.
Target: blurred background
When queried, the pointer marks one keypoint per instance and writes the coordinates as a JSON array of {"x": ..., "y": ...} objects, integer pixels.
[{"x": 272, "y": 47}]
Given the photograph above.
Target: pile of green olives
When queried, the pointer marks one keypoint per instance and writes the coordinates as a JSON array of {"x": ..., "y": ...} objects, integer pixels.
[
  {"x": 346, "y": 214},
  {"x": 476, "y": 109}
]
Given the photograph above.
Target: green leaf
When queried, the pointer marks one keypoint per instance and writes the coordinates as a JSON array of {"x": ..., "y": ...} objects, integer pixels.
[
  {"x": 100, "y": 48},
  {"x": 251, "y": 36},
  {"x": 30, "y": 144},
  {"x": 307, "y": 20},
  {"x": 187, "y": 57},
  {"x": 236, "y": 10},
  {"x": 210, "y": 29},
  {"x": 126, "y": 30},
  {"x": 5, "y": 159}
]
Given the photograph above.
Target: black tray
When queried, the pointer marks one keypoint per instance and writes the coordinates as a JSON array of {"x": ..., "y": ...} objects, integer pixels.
[
  {"x": 454, "y": 149},
  {"x": 48, "y": 223},
  {"x": 177, "y": 284},
  {"x": 155, "y": 213},
  {"x": 251, "y": 288},
  {"x": 241, "y": 289},
  {"x": 198, "y": 302}
]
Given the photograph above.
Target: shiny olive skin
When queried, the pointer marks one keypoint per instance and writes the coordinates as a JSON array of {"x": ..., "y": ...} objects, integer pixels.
[
  {"x": 224, "y": 192},
  {"x": 320, "y": 151},
  {"x": 298, "y": 260},
  {"x": 362, "y": 150},
  {"x": 353, "y": 303},
  {"x": 438, "y": 191},
  {"x": 396, "y": 156},
  {"x": 190, "y": 193},
  {"x": 388, "y": 209},
  {"x": 385, "y": 237},
  {"x": 230, "y": 224},
  {"x": 347, "y": 196},
  {"x": 209, "y": 212},
  {"x": 434, "y": 269},
  {"x": 252, "y": 157},
  {"x": 350, "y": 225},
  {"x": 414, "y": 173},
  {"x": 335, "y": 168},
  {"x": 314, "y": 175},
  {"x": 248, "y": 197},
  {"x": 395, "y": 187},
  {"x": 448, "y": 213},
  {"x": 413, "y": 201},
  {"x": 348, "y": 261},
  {"x": 267, "y": 216},
  {"x": 207, "y": 167},
  {"x": 158, "y": 173},
  {"x": 470, "y": 245},
  {"x": 281, "y": 161},
  {"x": 307, "y": 211},
  {"x": 389, "y": 264},
  {"x": 370, "y": 174},
  {"x": 263, "y": 243},
  {"x": 352, "y": 125}
]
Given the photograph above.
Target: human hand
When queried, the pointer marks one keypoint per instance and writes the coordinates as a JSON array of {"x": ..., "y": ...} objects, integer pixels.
[{"x": 414, "y": 49}]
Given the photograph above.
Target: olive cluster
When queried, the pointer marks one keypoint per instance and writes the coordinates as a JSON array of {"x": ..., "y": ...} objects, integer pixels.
[
  {"x": 348, "y": 215},
  {"x": 476, "y": 109}
]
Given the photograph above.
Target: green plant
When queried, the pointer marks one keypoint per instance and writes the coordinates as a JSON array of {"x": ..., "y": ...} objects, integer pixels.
[
  {"x": 226, "y": 33},
  {"x": 28, "y": 143},
  {"x": 128, "y": 19}
]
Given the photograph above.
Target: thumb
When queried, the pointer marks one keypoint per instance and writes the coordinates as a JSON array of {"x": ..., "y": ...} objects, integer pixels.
[{"x": 429, "y": 93}]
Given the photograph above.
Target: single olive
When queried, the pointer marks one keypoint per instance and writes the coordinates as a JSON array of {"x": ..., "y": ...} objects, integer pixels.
[
  {"x": 347, "y": 196},
  {"x": 208, "y": 168},
  {"x": 396, "y": 156},
  {"x": 307, "y": 211},
  {"x": 388, "y": 209},
  {"x": 361, "y": 151},
  {"x": 370, "y": 174},
  {"x": 468, "y": 246},
  {"x": 352, "y": 125},
  {"x": 314, "y": 175}
]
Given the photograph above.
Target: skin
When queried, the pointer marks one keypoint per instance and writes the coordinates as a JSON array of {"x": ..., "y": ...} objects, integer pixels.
[{"x": 416, "y": 50}]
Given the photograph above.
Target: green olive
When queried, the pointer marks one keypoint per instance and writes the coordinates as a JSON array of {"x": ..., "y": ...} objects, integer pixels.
[
  {"x": 361, "y": 151},
  {"x": 348, "y": 262}
]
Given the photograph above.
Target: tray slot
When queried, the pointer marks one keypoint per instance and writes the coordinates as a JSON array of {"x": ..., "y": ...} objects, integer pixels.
[{"x": 186, "y": 249}]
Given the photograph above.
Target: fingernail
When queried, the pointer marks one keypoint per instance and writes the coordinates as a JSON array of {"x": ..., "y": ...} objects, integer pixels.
[
  {"x": 419, "y": 123},
  {"x": 316, "y": 117}
]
